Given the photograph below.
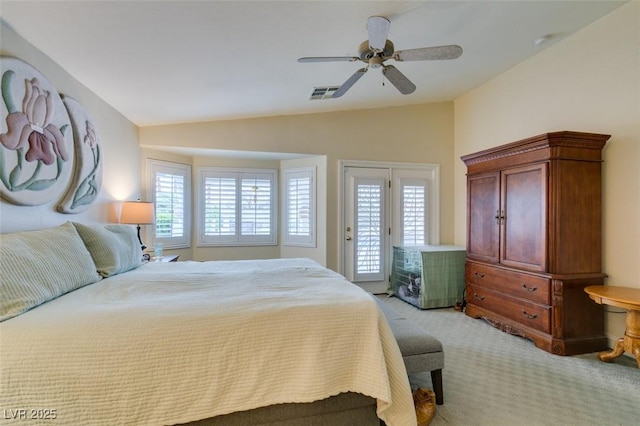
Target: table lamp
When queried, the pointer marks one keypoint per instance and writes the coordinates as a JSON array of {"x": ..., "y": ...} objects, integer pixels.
[{"x": 137, "y": 213}]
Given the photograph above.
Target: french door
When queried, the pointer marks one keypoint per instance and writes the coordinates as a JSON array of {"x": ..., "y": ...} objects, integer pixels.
[
  {"x": 366, "y": 235},
  {"x": 385, "y": 204}
]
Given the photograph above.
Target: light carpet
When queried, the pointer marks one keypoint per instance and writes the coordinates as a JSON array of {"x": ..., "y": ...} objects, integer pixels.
[{"x": 493, "y": 378}]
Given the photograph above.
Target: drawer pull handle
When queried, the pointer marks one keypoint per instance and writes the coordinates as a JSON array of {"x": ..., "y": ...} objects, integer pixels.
[
  {"x": 530, "y": 316},
  {"x": 475, "y": 296},
  {"x": 529, "y": 289},
  {"x": 478, "y": 275}
]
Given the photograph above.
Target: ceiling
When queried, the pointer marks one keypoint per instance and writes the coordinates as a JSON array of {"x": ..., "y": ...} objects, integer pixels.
[{"x": 160, "y": 62}]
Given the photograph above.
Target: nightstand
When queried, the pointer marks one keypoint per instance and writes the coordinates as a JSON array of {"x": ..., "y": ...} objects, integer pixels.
[{"x": 169, "y": 258}]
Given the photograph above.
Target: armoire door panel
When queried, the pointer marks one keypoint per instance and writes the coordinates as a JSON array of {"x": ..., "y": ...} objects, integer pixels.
[
  {"x": 524, "y": 203},
  {"x": 483, "y": 198}
]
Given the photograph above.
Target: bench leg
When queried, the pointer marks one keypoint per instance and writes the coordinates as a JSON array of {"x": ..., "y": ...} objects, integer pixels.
[{"x": 436, "y": 381}]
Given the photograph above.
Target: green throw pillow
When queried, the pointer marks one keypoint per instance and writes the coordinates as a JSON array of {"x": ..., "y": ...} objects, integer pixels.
[
  {"x": 38, "y": 266},
  {"x": 114, "y": 248}
]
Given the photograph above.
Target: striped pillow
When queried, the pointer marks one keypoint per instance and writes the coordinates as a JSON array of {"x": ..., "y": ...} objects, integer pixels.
[
  {"x": 114, "y": 248},
  {"x": 38, "y": 266}
]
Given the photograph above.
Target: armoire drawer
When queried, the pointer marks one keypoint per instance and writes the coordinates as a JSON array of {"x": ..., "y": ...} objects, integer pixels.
[
  {"x": 525, "y": 286},
  {"x": 529, "y": 314}
]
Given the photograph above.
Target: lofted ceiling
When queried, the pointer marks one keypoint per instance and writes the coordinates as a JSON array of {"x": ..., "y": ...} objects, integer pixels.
[{"x": 160, "y": 62}]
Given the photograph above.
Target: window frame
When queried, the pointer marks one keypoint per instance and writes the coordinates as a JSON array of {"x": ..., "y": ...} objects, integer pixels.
[
  {"x": 237, "y": 239},
  {"x": 159, "y": 166},
  {"x": 299, "y": 240}
]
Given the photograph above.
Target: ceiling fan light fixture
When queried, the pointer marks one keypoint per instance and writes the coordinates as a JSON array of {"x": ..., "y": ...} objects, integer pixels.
[
  {"x": 378, "y": 28},
  {"x": 375, "y": 62}
]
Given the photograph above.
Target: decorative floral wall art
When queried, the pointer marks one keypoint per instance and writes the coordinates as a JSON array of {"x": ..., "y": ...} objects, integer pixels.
[
  {"x": 36, "y": 152},
  {"x": 42, "y": 141},
  {"x": 87, "y": 176}
]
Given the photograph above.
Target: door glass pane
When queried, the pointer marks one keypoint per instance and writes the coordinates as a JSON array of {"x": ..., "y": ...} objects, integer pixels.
[
  {"x": 369, "y": 228},
  {"x": 413, "y": 215}
]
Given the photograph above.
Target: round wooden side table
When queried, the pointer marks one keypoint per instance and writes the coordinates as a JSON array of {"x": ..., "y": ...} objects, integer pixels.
[{"x": 629, "y": 299}]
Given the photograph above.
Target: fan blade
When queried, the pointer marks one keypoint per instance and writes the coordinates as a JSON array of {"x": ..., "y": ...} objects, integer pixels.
[
  {"x": 329, "y": 59},
  {"x": 402, "y": 83},
  {"x": 350, "y": 82},
  {"x": 378, "y": 27},
  {"x": 452, "y": 51}
]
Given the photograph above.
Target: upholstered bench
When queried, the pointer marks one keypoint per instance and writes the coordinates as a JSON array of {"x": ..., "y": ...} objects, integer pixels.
[{"x": 421, "y": 351}]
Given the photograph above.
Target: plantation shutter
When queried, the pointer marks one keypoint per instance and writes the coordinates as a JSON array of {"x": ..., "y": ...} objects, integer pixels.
[
  {"x": 413, "y": 206},
  {"x": 256, "y": 206},
  {"x": 220, "y": 206},
  {"x": 298, "y": 199},
  {"x": 369, "y": 229},
  {"x": 237, "y": 207},
  {"x": 170, "y": 191},
  {"x": 169, "y": 205},
  {"x": 300, "y": 206}
]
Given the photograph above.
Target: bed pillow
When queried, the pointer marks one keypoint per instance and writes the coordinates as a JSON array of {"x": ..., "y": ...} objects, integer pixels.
[
  {"x": 38, "y": 266},
  {"x": 114, "y": 248}
]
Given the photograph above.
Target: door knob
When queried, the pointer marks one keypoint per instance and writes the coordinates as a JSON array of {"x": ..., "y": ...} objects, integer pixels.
[{"x": 348, "y": 238}]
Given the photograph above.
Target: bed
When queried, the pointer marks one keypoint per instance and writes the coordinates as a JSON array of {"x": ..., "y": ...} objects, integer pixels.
[{"x": 92, "y": 335}]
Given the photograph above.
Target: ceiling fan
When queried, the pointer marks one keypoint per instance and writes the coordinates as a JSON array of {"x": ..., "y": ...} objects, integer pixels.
[{"x": 378, "y": 49}]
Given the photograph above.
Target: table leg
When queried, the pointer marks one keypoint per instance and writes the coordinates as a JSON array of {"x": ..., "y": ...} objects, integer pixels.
[
  {"x": 632, "y": 335},
  {"x": 630, "y": 342},
  {"x": 618, "y": 350}
]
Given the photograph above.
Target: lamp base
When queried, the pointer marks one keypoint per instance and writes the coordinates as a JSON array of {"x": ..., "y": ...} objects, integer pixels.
[{"x": 142, "y": 246}]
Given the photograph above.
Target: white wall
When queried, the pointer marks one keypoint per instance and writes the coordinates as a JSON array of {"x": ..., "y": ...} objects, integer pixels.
[
  {"x": 119, "y": 138},
  {"x": 589, "y": 82}
]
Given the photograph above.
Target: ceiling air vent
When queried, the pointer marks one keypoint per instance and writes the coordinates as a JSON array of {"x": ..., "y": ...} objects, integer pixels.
[{"x": 323, "y": 92}]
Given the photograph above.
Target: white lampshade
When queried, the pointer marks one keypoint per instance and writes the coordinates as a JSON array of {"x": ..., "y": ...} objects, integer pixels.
[{"x": 137, "y": 213}]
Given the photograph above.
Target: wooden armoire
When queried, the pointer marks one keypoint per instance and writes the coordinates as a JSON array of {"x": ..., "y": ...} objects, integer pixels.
[{"x": 534, "y": 239}]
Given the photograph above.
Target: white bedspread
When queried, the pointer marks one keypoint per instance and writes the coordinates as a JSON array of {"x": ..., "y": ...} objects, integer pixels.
[{"x": 175, "y": 342}]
